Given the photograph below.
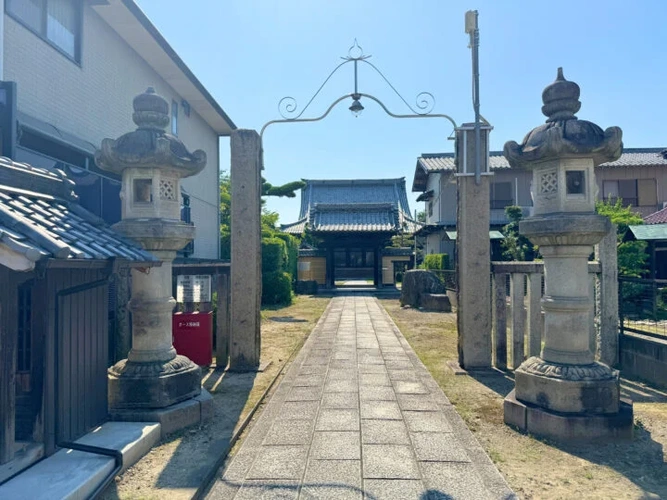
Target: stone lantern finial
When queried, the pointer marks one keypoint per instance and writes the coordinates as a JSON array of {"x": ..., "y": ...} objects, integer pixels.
[
  {"x": 561, "y": 99},
  {"x": 564, "y": 135},
  {"x": 151, "y": 111}
]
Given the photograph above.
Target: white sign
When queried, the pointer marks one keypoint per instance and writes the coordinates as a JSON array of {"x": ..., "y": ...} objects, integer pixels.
[{"x": 193, "y": 288}]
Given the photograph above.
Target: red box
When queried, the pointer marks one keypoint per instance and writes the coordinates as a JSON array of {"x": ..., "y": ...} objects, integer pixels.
[{"x": 193, "y": 336}]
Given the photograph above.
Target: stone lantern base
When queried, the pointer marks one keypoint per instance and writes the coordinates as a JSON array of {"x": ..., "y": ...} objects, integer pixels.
[
  {"x": 153, "y": 384},
  {"x": 535, "y": 420}
]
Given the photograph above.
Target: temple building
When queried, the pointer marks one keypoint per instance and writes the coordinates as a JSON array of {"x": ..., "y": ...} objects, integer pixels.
[{"x": 348, "y": 226}]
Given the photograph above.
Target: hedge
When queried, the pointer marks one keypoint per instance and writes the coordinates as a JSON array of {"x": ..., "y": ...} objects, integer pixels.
[
  {"x": 276, "y": 288},
  {"x": 274, "y": 255},
  {"x": 292, "y": 253},
  {"x": 436, "y": 261}
]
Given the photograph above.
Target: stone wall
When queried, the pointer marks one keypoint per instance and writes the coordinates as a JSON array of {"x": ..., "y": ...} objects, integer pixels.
[{"x": 644, "y": 357}]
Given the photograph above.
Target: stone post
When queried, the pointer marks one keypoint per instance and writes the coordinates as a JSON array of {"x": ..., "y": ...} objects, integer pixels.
[
  {"x": 473, "y": 256},
  {"x": 606, "y": 254},
  {"x": 246, "y": 272},
  {"x": 151, "y": 163},
  {"x": 563, "y": 392}
]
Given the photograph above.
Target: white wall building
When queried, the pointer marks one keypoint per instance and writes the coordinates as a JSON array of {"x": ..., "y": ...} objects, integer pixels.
[{"x": 77, "y": 66}]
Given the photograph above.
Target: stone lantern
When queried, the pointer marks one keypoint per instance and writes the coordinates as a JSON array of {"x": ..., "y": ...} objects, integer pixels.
[
  {"x": 565, "y": 393},
  {"x": 152, "y": 164}
]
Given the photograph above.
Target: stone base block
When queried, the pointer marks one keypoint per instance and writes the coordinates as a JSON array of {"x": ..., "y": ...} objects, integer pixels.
[
  {"x": 194, "y": 411},
  {"x": 153, "y": 385},
  {"x": 540, "y": 422},
  {"x": 435, "y": 302},
  {"x": 570, "y": 389}
]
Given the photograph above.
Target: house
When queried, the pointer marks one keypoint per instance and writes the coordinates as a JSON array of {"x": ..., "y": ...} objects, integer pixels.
[
  {"x": 56, "y": 263},
  {"x": 353, "y": 222},
  {"x": 71, "y": 69},
  {"x": 639, "y": 177}
]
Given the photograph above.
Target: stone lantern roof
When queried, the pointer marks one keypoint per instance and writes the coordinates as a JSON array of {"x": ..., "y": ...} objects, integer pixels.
[
  {"x": 149, "y": 146},
  {"x": 564, "y": 135}
]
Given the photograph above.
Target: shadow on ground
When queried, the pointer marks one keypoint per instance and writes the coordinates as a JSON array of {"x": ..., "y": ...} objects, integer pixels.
[
  {"x": 198, "y": 451},
  {"x": 641, "y": 460}
]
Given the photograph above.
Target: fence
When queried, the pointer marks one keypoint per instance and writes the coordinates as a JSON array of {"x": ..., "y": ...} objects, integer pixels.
[
  {"x": 643, "y": 306},
  {"x": 518, "y": 323}
]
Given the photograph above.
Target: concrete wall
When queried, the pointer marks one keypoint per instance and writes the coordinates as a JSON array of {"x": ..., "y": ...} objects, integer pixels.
[
  {"x": 644, "y": 357},
  {"x": 93, "y": 100},
  {"x": 448, "y": 199},
  {"x": 312, "y": 268},
  {"x": 433, "y": 183},
  {"x": 388, "y": 267}
]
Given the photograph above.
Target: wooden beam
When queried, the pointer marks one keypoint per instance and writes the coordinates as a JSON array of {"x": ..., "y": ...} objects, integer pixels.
[{"x": 8, "y": 340}]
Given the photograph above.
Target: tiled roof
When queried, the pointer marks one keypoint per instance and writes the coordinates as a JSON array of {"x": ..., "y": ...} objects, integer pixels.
[
  {"x": 631, "y": 157},
  {"x": 50, "y": 223},
  {"x": 354, "y": 217},
  {"x": 297, "y": 227},
  {"x": 359, "y": 205},
  {"x": 659, "y": 217}
]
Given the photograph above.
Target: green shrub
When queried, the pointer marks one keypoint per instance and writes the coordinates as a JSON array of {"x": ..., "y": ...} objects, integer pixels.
[
  {"x": 436, "y": 261},
  {"x": 276, "y": 288},
  {"x": 292, "y": 252},
  {"x": 274, "y": 255}
]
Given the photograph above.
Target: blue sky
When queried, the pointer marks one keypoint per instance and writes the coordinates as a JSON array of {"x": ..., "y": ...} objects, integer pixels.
[{"x": 251, "y": 53}]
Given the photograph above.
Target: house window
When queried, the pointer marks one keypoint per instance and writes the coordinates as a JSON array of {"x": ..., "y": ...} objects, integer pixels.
[
  {"x": 174, "y": 117},
  {"x": 501, "y": 195},
  {"x": 637, "y": 193},
  {"x": 58, "y": 22}
]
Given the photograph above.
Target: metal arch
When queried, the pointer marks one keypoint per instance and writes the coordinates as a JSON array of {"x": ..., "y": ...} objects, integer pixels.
[{"x": 337, "y": 101}]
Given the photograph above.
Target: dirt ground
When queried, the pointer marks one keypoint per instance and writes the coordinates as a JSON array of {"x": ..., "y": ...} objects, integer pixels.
[
  {"x": 176, "y": 468},
  {"x": 536, "y": 468}
]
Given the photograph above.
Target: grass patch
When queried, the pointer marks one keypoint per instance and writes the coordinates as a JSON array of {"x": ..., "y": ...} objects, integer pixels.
[{"x": 537, "y": 468}]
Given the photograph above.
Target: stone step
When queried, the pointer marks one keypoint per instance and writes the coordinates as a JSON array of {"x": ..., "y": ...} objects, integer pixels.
[{"x": 70, "y": 474}]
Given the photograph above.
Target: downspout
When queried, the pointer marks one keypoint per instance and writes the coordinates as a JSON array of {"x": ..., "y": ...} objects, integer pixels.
[{"x": 109, "y": 452}]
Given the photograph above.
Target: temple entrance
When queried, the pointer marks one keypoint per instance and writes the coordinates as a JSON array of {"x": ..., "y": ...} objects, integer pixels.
[{"x": 354, "y": 267}]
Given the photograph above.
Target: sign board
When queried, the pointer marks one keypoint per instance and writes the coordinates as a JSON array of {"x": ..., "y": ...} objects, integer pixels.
[{"x": 193, "y": 288}]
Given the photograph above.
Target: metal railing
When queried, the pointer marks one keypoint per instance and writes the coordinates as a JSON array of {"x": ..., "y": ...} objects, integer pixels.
[{"x": 643, "y": 306}]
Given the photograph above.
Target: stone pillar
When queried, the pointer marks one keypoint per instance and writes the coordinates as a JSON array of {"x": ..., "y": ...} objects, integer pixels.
[
  {"x": 246, "y": 272},
  {"x": 606, "y": 254},
  {"x": 473, "y": 255},
  {"x": 563, "y": 392},
  {"x": 151, "y": 163}
]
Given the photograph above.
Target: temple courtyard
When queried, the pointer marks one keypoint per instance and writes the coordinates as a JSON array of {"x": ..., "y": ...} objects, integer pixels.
[{"x": 360, "y": 409}]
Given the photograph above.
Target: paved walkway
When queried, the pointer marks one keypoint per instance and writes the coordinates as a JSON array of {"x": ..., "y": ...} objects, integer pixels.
[{"x": 359, "y": 416}]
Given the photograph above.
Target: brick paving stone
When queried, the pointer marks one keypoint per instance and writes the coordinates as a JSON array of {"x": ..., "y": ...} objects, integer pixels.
[
  {"x": 389, "y": 461},
  {"x": 337, "y": 374},
  {"x": 335, "y": 445},
  {"x": 304, "y": 394},
  {"x": 407, "y": 387},
  {"x": 438, "y": 447},
  {"x": 372, "y": 369},
  {"x": 274, "y": 489},
  {"x": 394, "y": 489},
  {"x": 297, "y": 410},
  {"x": 384, "y": 432},
  {"x": 284, "y": 432},
  {"x": 340, "y": 400},
  {"x": 331, "y": 419},
  {"x": 377, "y": 393},
  {"x": 341, "y": 385},
  {"x": 308, "y": 381},
  {"x": 332, "y": 480},
  {"x": 408, "y": 375},
  {"x": 374, "y": 379},
  {"x": 279, "y": 462},
  {"x": 426, "y": 421},
  {"x": 384, "y": 410},
  {"x": 416, "y": 402},
  {"x": 453, "y": 480}
]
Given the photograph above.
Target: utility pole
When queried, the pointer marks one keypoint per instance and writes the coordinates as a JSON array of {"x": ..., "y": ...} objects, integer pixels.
[{"x": 473, "y": 30}]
